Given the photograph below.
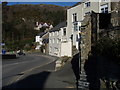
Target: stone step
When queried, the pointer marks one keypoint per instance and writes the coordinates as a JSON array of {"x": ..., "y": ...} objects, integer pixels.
[
  {"x": 82, "y": 88},
  {"x": 83, "y": 79},
  {"x": 83, "y": 75},
  {"x": 83, "y": 84}
]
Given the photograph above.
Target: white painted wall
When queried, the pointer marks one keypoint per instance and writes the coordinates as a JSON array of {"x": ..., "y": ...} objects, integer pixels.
[
  {"x": 37, "y": 38},
  {"x": 54, "y": 45},
  {"x": 66, "y": 49},
  {"x": 80, "y": 10},
  {"x": 58, "y": 44}
]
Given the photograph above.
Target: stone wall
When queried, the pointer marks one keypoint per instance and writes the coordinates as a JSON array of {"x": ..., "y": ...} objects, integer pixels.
[
  {"x": 91, "y": 33},
  {"x": 85, "y": 44},
  {"x": 115, "y": 14}
]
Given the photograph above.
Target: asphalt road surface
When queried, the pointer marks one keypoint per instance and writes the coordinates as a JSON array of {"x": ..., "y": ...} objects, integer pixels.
[{"x": 14, "y": 70}]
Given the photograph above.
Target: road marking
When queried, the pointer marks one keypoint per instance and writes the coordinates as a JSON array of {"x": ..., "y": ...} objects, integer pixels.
[
  {"x": 27, "y": 71},
  {"x": 17, "y": 63},
  {"x": 26, "y": 61},
  {"x": 16, "y": 78}
]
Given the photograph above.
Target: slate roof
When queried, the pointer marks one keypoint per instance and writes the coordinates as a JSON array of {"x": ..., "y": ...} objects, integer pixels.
[
  {"x": 60, "y": 25},
  {"x": 41, "y": 34},
  {"x": 46, "y": 40}
]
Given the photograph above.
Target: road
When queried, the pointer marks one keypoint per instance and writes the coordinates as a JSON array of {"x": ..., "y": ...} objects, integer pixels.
[{"x": 14, "y": 70}]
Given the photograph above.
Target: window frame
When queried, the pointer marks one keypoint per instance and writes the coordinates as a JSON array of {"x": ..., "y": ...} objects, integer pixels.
[
  {"x": 64, "y": 32},
  {"x": 74, "y": 17},
  {"x": 87, "y": 4}
]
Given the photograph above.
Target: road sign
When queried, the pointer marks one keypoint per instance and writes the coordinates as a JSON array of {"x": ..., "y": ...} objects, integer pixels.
[{"x": 2, "y": 44}]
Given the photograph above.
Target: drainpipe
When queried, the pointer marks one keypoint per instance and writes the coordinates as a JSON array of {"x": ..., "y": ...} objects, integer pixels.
[{"x": 80, "y": 55}]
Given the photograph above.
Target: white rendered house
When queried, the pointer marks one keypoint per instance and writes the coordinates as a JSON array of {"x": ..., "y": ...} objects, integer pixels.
[
  {"x": 59, "y": 45},
  {"x": 39, "y": 39},
  {"x": 76, "y": 14}
]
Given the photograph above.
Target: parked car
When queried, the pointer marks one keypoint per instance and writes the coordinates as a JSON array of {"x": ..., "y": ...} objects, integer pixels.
[{"x": 20, "y": 52}]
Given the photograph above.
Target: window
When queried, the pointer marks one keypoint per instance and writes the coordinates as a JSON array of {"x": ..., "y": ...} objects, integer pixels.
[
  {"x": 57, "y": 33},
  {"x": 87, "y": 4},
  {"x": 71, "y": 37},
  {"x": 50, "y": 40},
  {"x": 57, "y": 40},
  {"x": 50, "y": 49},
  {"x": 76, "y": 37},
  {"x": 64, "y": 31},
  {"x": 50, "y": 34},
  {"x": 53, "y": 33},
  {"x": 104, "y": 8},
  {"x": 79, "y": 28},
  {"x": 79, "y": 36},
  {"x": 75, "y": 27},
  {"x": 54, "y": 40},
  {"x": 74, "y": 17}
]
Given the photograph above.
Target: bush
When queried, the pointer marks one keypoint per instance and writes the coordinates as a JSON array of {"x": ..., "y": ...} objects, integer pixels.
[{"x": 107, "y": 47}]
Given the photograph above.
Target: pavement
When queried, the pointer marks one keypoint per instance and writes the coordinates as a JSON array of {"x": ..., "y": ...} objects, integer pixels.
[
  {"x": 47, "y": 77},
  {"x": 64, "y": 78}
]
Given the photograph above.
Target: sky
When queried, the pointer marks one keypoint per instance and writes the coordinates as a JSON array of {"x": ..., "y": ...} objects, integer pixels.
[
  {"x": 54, "y": 3},
  {"x": 41, "y": 0}
]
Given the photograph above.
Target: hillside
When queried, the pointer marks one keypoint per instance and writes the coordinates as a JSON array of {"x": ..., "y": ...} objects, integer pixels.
[{"x": 19, "y": 22}]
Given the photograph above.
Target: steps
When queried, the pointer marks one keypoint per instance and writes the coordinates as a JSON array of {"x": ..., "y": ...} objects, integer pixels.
[{"x": 82, "y": 83}]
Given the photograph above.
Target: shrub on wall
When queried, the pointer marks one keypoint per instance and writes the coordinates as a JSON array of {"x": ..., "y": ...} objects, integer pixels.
[{"x": 107, "y": 47}]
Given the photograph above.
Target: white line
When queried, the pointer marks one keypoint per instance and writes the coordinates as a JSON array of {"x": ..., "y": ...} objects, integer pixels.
[
  {"x": 27, "y": 71},
  {"x": 17, "y": 63},
  {"x": 17, "y": 78},
  {"x": 26, "y": 61}
]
